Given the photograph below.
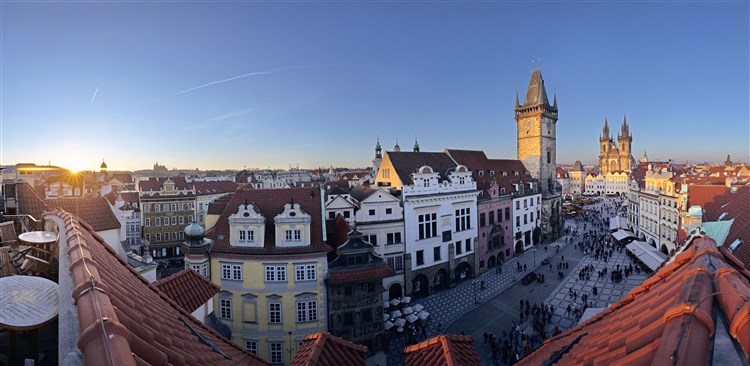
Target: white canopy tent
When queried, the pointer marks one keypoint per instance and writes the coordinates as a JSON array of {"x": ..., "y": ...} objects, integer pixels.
[
  {"x": 647, "y": 254},
  {"x": 621, "y": 235},
  {"x": 617, "y": 222}
]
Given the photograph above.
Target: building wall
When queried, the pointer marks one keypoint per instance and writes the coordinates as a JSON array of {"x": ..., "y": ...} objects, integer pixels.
[
  {"x": 488, "y": 257},
  {"x": 523, "y": 230},
  {"x": 250, "y": 298}
]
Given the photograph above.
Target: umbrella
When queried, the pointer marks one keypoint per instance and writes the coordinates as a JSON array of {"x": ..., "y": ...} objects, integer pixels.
[
  {"x": 395, "y": 302},
  {"x": 400, "y": 329},
  {"x": 417, "y": 308},
  {"x": 423, "y": 315},
  {"x": 406, "y": 299},
  {"x": 386, "y": 316},
  {"x": 396, "y": 314},
  {"x": 412, "y": 318},
  {"x": 400, "y": 322},
  {"x": 407, "y": 310},
  {"x": 388, "y": 325}
]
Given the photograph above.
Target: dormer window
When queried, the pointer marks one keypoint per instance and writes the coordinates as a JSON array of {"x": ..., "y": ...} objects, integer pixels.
[
  {"x": 246, "y": 227},
  {"x": 481, "y": 173},
  {"x": 292, "y": 226}
]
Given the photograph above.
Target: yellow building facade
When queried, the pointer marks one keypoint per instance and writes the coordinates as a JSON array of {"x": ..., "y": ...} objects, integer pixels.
[{"x": 269, "y": 258}]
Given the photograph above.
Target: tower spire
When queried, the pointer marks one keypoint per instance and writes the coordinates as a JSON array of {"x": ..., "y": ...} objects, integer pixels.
[
  {"x": 517, "y": 105},
  {"x": 416, "y": 144},
  {"x": 605, "y": 130},
  {"x": 554, "y": 103}
]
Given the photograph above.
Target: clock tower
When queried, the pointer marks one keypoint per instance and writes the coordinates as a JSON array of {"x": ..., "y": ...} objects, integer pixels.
[{"x": 536, "y": 122}]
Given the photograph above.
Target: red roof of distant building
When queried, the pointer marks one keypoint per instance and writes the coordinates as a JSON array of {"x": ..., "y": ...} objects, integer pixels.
[
  {"x": 669, "y": 319},
  {"x": 188, "y": 289},
  {"x": 218, "y": 206},
  {"x": 358, "y": 275},
  {"x": 728, "y": 204},
  {"x": 142, "y": 324},
  {"x": 340, "y": 229},
  {"x": 29, "y": 202},
  {"x": 270, "y": 202},
  {"x": 208, "y": 188},
  {"x": 94, "y": 210},
  {"x": 156, "y": 183},
  {"x": 324, "y": 349},
  {"x": 443, "y": 350}
]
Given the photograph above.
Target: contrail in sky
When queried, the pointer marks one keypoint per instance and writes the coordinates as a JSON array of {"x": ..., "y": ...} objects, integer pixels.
[
  {"x": 242, "y": 76},
  {"x": 94, "y": 96}
]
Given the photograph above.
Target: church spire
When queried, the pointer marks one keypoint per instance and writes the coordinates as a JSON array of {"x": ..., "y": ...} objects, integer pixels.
[
  {"x": 729, "y": 161},
  {"x": 416, "y": 144},
  {"x": 605, "y": 130},
  {"x": 554, "y": 103},
  {"x": 378, "y": 149},
  {"x": 517, "y": 105}
]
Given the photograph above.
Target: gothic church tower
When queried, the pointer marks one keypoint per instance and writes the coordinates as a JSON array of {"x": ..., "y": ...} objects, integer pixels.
[{"x": 536, "y": 121}]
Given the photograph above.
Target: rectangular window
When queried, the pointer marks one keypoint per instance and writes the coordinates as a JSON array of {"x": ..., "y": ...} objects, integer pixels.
[
  {"x": 174, "y": 207},
  {"x": 148, "y": 222},
  {"x": 157, "y": 221},
  {"x": 293, "y": 235},
  {"x": 347, "y": 214},
  {"x": 304, "y": 272},
  {"x": 250, "y": 235},
  {"x": 468, "y": 245},
  {"x": 389, "y": 238},
  {"x": 399, "y": 263},
  {"x": 532, "y": 217},
  {"x": 427, "y": 225},
  {"x": 275, "y": 354},
  {"x": 274, "y": 312},
  {"x": 307, "y": 311},
  {"x": 481, "y": 220},
  {"x": 225, "y": 308},
  {"x": 157, "y": 207},
  {"x": 252, "y": 347},
  {"x": 275, "y": 273},
  {"x": 371, "y": 212},
  {"x": 182, "y": 206},
  {"x": 231, "y": 271},
  {"x": 436, "y": 254},
  {"x": 146, "y": 208},
  {"x": 242, "y": 235},
  {"x": 518, "y": 205},
  {"x": 174, "y": 220},
  {"x": 507, "y": 213},
  {"x": 524, "y": 203},
  {"x": 518, "y": 220},
  {"x": 459, "y": 248},
  {"x": 525, "y": 217},
  {"x": 166, "y": 207},
  {"x": 388, "y": 211},
  {"x": 182, "y": 220},
  {"x": 499, "y": 215},
  {"x": 373, "y": 239},
  {"x": 331, "y": 215},
  {"x": 420, "y": 257},
  {"x": 463, "y": 221},
  {"x": 492, "y": 217}
]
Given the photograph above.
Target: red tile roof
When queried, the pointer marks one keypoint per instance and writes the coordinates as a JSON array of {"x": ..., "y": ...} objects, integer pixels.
[
  {"x": 218, "y": 206},
  {"x": 143, "y": 325},
  {"x": 358, "y": 275},
  {"x": 155, "y": 183},
  {"x": 188, "y": 289},
  {"x": 207, "y": 188},
  {"x": 447, "y": 350},
  {"x": 727, "y": 206},
  {"x": 324, "y": 349},
  {"x": 407, "y": 162},
  {"x": 94, "y": 210},
  {"x": 667, "y": 320},
  {"x": 477, "y": 161},
  {"x": 338, "y": 232},
  {"x": 270, "y": 202}
]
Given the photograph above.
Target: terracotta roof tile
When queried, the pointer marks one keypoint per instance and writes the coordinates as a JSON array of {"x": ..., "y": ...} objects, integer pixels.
[
  {"x": 270, "y": 202},
  {"x": 143, "y": 325},
  {"x": 218, "y": 206},
  {"x": 448, "y": 350},
  {"x": 188, "y": 289},
  {"x": 29, "y": 201},
  {"x": 94, "y": 210},
  {"x": 492, "y": 169},
  {"x": 155, "y": 183},
  {"x": 324, "y": 349},
  {"x": 666, "y": 320},
  {"x": 722, "y": 203},
  {"x": 407, "y": 162}
]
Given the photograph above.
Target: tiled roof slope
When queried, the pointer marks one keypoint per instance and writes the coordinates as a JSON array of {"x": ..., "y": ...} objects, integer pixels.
[
  {"x": 270, "y": 202},
  {"x": 155, "y": 183},
  {"x": 143, "y": 325},
  {"x": 188, "y": 289},
  {"x": 206, "y": 188},
  {"x": 358, "y": 275},
  {"x": 668, "y": 320},
  {"x": 477, "y": 161},
  {"x": 443, "y": 350},
  {"x": 407, "y": 162},
  {"x": 218, "y": 206},
  {"x": 736, "y": 206},
  {"x": 324, "y": 349},
  {"x": 94, "y": 210},
  {"x": 29, "y": 202}
]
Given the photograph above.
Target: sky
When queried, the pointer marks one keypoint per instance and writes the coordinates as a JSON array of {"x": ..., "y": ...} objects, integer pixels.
[{"x": 228, "y": 85}]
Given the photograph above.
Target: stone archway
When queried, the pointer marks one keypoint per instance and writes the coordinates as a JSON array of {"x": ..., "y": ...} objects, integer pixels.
[
  {"x": 463, "y": 272},
  {"x": 491, "y": 261},
  {"x": 395, "y": 290},
  {"x": 664, "y": 249},
  {"x": 537, "y": 235},
  {"x": 519, "y": 247},
  {"x": 652, "y": 242}
]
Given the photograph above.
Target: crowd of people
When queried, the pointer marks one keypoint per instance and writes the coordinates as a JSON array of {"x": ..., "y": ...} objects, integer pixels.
[{"x": 591, "y": 237}]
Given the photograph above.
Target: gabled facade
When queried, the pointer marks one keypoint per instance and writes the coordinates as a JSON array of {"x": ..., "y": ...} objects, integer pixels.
[
  {"x": 167, "y": 206},
  {"x": 439, "y": 199},
  {"x": 269, "y": 258}
]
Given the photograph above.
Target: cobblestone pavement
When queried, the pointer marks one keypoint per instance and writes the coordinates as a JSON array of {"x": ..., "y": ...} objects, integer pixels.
[{"x": 447, "y": 306}]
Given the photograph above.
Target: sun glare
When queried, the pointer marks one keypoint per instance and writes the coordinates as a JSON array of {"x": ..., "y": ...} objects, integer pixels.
[{"x": 74, "y": 166}]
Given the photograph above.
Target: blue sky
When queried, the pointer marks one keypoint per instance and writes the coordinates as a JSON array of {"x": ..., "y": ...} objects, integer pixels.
[{"x": 258, "y": 84}]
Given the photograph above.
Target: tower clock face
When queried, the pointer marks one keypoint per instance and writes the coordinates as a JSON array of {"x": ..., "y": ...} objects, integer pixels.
[{"x": 549, "y": 126}]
